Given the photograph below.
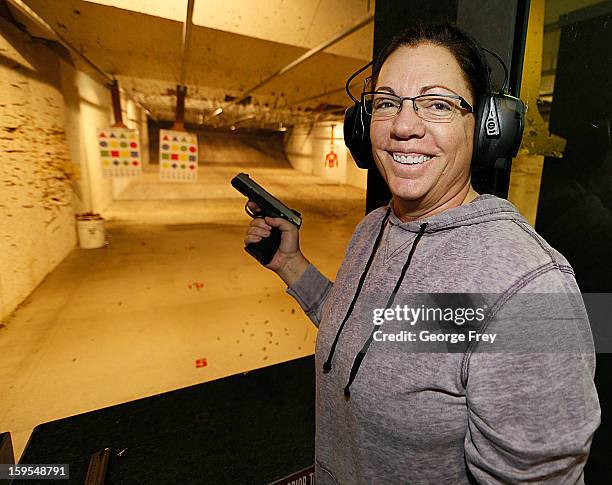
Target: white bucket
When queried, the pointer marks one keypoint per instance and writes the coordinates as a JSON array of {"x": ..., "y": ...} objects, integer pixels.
[{"x": 90, "y": 228}]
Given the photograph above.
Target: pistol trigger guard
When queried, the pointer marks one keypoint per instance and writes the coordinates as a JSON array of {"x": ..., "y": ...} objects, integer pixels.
[{"x": 254, "y": 215}]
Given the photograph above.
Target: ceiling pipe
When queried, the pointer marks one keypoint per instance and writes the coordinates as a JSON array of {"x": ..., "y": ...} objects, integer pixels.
[
  {"x": 316, "y": 96},
  {"x": 359, "y": 25},
  {"x": 109, "y": 81},
  {"x": 320, "y": 95},
  {"x": 242, "y": 120},
  {"x": 186, "y": 44}
]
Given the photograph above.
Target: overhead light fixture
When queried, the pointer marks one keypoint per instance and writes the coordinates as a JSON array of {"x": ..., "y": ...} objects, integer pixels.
[
  {"x": 233, "y": 127},
  {"x": 217, "y": 112}
]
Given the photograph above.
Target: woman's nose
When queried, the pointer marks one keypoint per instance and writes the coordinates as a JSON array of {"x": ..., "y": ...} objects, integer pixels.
[{"x": 407, "y": 124}]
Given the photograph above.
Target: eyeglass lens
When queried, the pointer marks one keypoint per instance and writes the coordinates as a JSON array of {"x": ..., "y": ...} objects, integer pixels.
[{"x": 432, "y": 108}]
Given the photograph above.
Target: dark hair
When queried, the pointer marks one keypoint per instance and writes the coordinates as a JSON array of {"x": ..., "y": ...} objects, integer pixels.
[{"x": 461, "y": 44}]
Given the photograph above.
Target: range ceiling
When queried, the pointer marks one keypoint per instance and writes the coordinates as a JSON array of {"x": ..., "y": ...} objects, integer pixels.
[{"x": 235, "y": 44}]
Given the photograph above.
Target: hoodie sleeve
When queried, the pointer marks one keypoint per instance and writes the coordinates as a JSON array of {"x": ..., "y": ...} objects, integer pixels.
[
  {"x": 311, "y": 291},
  {"x": 532, "y": 402}
]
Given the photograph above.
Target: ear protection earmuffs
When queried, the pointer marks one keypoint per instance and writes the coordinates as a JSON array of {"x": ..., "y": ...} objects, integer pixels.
[
  {"x": 357, "y": 136},
  {"x": 500, "y": 120}
]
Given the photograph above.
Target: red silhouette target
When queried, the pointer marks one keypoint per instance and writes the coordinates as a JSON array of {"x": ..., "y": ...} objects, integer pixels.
[{"x": 331, "y": 159}]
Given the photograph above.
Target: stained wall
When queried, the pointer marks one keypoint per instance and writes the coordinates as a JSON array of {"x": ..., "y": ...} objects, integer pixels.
[{"x": 49, "y": 168}]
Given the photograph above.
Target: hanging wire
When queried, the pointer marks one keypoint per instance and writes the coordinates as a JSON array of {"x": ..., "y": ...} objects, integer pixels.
[
  {"x": 353, "y": 76},
  {"x": 504, "y": 88}
]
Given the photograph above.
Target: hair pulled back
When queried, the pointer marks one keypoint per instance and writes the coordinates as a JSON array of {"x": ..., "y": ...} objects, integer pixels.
[{"x": 461, "y": 45}]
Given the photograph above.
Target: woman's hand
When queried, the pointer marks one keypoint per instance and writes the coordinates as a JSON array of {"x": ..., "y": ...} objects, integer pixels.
[{"x": 288, "y": 262}]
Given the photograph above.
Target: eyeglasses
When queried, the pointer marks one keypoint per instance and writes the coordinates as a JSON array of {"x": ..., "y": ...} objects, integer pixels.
[{"x": 439, "y": 108}]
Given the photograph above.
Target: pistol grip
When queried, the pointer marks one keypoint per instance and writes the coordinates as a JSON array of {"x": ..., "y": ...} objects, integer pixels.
[{"x": 264, "y": 250}]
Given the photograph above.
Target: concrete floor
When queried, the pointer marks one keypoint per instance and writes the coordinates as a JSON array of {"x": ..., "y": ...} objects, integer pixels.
[{"x": 173, "y": 286}]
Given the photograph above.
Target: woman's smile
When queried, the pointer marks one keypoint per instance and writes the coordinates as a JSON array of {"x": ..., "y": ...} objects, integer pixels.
[{"x": 412, "y": 158}]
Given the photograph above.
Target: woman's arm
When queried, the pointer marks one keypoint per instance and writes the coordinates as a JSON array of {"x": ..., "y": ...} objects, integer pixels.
[
  {"x": 532, "y": 402},
  {"x": 293, "y": 270}
]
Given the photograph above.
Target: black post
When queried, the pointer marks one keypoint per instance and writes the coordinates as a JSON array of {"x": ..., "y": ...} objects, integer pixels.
[
  {"x": 179, "y": 120},
  {"x": 116, "y": 98}
]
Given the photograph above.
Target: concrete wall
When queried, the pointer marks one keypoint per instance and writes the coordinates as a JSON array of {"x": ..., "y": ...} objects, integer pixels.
[
  {"x": 87, "y": 108},
  {"x": 307, "y": 147},
  {"x": 49, "y": 165}
]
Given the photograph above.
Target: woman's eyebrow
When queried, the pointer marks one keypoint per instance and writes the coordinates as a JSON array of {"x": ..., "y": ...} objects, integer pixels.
[
  {"x": 432, "y": 86},
  {"x": 385, "y": 88},
  {"x": 421, "y": 91}
]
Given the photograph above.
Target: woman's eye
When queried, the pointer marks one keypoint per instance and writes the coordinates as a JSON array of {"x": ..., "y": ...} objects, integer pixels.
[
  {"x": 384, "y": 104},
  {"x": 439, "y": 105}
]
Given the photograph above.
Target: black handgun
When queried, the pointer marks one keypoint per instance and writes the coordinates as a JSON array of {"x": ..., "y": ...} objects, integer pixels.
[{"x": 270, "y": 206}]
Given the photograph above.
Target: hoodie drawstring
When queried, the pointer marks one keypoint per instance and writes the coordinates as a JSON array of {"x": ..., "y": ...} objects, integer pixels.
[
  {"x": 327, "y": 365},
  {"x": 360, "y": 356}
]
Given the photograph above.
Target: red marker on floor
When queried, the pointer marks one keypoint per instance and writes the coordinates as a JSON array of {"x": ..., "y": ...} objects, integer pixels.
[{"x": 201, "y": 363}]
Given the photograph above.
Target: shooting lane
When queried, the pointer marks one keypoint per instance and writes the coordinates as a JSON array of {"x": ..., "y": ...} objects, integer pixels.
[{"x": 170, "y": 345}]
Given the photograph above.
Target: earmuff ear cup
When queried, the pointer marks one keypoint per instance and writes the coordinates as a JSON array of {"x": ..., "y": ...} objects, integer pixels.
[
  {"x": 498, "y": 131},
  {"x": 357, "y": 136}
]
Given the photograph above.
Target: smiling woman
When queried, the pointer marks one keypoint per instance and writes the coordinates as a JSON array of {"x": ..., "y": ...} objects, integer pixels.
[
  {"x": 425, "y": 162},
  {"x": 517, "y": 402}
]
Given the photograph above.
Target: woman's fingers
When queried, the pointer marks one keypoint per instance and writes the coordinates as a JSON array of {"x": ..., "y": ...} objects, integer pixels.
[
  {"x": 258, "y": 231},
  {"x": 253, "y": 206},
  {"x": 261, "y": 228},
  {"x": 259, "y": 222},
  {"x": 252, "y": 239}
]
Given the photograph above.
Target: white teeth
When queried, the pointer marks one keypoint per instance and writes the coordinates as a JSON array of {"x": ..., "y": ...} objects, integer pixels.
[{"x": 408, "y": 160}]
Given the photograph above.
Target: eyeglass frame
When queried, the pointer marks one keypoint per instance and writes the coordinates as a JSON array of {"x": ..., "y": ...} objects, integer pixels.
[{"x": 463, "y": 104}]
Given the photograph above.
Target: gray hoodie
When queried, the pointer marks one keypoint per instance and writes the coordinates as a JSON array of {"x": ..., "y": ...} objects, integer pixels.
[{"x": 522, "y": 408}]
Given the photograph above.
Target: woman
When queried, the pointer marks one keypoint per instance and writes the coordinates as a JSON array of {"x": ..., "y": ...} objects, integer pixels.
[{"x": 524, "y": 410}]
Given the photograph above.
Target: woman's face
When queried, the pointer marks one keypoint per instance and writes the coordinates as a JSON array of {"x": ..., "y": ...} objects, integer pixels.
[{"x": 411, "y": 71}]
